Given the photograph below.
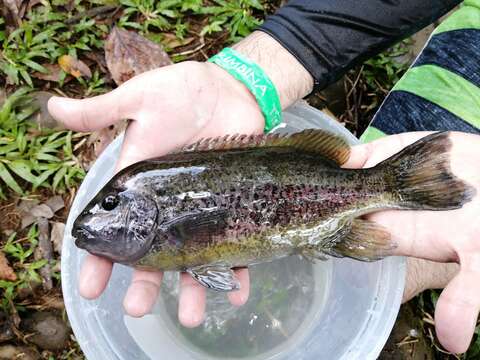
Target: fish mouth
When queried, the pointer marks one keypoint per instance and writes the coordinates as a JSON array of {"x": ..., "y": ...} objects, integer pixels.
[{"x": 81, "y": 235}]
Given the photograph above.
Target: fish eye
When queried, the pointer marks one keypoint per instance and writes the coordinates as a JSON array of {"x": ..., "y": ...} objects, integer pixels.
[{"x": 110, "y": 202}]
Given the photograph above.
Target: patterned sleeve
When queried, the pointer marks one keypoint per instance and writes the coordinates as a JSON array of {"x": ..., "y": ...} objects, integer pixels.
[
  {"x": 441, "y": 90},
  {"x": 330, "y": 37}
]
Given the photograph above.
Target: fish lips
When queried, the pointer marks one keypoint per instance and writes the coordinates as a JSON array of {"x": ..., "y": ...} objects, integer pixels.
[{"x": 82, "y": 236}]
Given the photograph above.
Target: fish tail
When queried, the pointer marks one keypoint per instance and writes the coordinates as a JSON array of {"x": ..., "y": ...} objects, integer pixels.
[{"x": 420, "y": 176}]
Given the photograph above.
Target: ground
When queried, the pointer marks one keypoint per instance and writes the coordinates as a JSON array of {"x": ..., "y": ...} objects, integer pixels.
[{"x": 65, "y": 47}]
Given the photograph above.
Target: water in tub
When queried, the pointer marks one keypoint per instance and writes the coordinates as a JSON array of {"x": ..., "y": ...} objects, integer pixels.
[{"x": 286, "y": 300}]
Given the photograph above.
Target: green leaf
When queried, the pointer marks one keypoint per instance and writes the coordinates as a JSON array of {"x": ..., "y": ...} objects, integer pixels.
[
  {"x": 59, "y": 176},
  {"x": 38, "y": 264},
  {"x": 9, "y": 180},
  {"x": 35, "y": 66},
  {"x": 26, "y": 77},
  {"x": 23, "y": 169}
]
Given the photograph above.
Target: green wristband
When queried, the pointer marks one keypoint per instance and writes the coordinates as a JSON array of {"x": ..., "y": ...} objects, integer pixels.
[{"x": 255, "y": 79}]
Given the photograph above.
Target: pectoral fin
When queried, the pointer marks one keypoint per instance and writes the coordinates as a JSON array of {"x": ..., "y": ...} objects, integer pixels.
[
  {"x": 215, "y": 277},
  {"x": 365, "y": 241}
]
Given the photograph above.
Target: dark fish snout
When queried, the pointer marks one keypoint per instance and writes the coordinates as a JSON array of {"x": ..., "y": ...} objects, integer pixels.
[{"x": 81, "y": 235}]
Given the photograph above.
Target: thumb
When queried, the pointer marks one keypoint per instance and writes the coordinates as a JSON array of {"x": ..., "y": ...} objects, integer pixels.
[
  {"x": 92, "y": 113},
  {"x": 457, "y": 311}
]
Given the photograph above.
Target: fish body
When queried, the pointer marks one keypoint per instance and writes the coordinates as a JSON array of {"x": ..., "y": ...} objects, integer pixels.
[{"x": 236, "y": 201}]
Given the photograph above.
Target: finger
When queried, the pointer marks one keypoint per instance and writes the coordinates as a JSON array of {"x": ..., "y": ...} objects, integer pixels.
[
  {"x": 92, "y": 113},
  {"x": 425, "y": 274},
  {"x": 370, "y": 154},
  {"x": 457, "y": 311},
  {"x": 412, "y": 233},
  {"x": 142, "y": 143},
  {"x": 142, "y": 292},
  {"x": 192, "y": 302},
  {"x": 94, "y": 276},
  {"x": 240, "y": 297}
]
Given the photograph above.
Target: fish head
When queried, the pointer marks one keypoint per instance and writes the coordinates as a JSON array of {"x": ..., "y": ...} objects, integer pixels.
[{"x": 117, "y": 225}]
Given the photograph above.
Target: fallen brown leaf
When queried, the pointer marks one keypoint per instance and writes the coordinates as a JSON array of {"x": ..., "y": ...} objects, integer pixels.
[
  {"x": 41, "y": 210},
  {"x": 103, "y": 137},
  {"x": 74, "y": 67},
  {"x": 6, "y": 272},
  {"x": 55, "y": 203},
  {"x": 42, "y": 117},
  {"x": 56, "y": 236},
  {"x": 11, "y": 13},
  {"x": 54, "y": 71},
  {"x": 44, "y": 251},
  {"x": 128, "y": 54}
]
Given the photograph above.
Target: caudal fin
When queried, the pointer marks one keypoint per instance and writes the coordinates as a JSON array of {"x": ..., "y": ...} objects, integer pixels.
[{"x": 421, "y": 178}]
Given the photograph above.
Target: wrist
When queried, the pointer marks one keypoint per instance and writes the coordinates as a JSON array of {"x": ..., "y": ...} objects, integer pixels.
[{"x": 291, "y": 80}]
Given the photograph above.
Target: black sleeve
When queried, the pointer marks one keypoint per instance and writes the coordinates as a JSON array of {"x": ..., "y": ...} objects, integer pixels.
[{"x": 331, "y": 36}]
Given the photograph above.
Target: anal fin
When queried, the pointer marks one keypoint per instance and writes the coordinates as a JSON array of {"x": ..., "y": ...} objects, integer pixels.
[
  {"x": 365, "y": 241},
  {"x": 312, "y": 255}
]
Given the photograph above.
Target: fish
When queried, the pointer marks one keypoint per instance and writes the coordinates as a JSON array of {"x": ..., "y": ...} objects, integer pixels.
[{"x": 238, "y": 200}]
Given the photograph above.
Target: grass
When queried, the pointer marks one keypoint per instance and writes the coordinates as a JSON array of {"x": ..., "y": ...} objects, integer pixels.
[
  {"x": 33, "y": 159},
  {"x": 20, "y": 251}
]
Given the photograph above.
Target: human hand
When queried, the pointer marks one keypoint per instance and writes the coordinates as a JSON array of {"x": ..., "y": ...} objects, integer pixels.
[
  {"x": 442, "y": 236},
  {"x": 170, "y": 107}
]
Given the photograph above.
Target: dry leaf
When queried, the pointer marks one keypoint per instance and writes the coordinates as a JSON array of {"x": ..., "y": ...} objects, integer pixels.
[
  {"x": 42, "y": 117},
  {"x": 103, "y": 137},
  {"x": 74, "y": 67},
  {"x": 56, "y": 236},
  {"x": 41, "y": 210},
  {"x": 54, "y": 71},
  {"x": 128, "y": 54},
  {"x": 172, "y": 41},
  {"x": 6, "y": 272},
  {"x": 11, "y": 13},
  {"x": 55, "y": 203}
]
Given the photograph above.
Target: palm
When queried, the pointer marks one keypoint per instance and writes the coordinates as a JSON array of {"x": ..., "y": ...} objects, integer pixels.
[
  {"x": 170, "y": 107},
  {"x": 177, "y": 105},
  {"x": 440, "y": 236}
]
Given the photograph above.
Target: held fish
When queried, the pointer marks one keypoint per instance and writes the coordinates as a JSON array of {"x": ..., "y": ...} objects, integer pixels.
[{"x": 239, "y": 200}]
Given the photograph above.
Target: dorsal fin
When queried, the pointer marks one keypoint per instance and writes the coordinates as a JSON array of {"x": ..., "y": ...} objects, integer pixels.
[{"x": 321, "y": 142}]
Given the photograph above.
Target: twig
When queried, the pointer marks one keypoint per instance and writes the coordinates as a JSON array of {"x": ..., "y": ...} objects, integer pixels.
[
  {"x": 277, "y": 322},
  {"x": 91, "y": 13},
  {"x": 356, "y": 81},
  {"x": 191, "y": 51}
]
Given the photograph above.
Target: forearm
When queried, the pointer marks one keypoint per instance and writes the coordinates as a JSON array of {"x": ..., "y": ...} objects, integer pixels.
[
  {"x": 309, "y": 44},
  {"x": 329, "y": 37},
  {"x": 290, "y": 78}
]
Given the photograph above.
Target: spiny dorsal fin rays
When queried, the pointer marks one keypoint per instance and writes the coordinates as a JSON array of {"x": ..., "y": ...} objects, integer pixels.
[{"x": 312, "y": 140}]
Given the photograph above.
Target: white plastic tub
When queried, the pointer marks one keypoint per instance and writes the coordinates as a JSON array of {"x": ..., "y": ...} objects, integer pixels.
[{"x": 337, "y": 309}]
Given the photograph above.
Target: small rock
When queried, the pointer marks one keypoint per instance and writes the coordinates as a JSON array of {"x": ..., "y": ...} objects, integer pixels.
[
  {"x": 55, "y": 203},
  {"x": 10, "y": 352},
  {"x": 56, "y": 236},
  {"x": 6, "y": 330},
  {"x": 49, "y": 330},
  {"x": 42, "y": 210}
]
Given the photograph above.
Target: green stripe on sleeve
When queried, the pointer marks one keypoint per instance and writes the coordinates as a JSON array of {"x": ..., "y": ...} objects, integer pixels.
[
  {"x": 467, "y": 17},
  {"x": 444, "y": 88},
  {"x": 372, "y": 133}
]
